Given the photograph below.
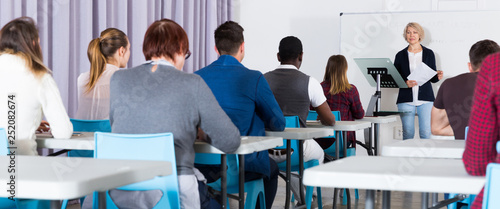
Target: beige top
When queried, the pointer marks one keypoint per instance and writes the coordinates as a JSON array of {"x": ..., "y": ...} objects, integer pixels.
[{"x": 94, "y": 105}]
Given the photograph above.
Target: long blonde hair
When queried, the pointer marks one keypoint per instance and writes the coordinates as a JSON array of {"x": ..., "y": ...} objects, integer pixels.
[
  {"x": 20, "y": 37},
  {"x": 100, "y": 49},
  {"x": 336, "y": 74}
]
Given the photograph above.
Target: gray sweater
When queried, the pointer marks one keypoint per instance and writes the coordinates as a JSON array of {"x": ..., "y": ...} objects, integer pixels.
[{"x": 169, "y": 100}]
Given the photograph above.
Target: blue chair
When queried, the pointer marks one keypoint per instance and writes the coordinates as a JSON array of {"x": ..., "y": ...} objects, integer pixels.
[
  {"x": 293, "y": 122},
  {"x": 141, "y": 147},
  {"x": 338, "y": 134},
  {"x": 254, "y": 188},
  {"x": 313, "y": 115},
  {"x": 6, "y": 203},
  {"x": 88, "y": 126},
  {"x": 80, "y": 125},
  {"x": 492, "y": 187}
]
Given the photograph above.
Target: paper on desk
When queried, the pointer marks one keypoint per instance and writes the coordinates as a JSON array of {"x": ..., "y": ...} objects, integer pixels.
[{"x": 422, "y": 74}]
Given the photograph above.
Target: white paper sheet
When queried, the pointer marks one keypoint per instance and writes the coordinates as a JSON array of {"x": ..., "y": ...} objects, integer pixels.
[{"x": 422, "y": 74}]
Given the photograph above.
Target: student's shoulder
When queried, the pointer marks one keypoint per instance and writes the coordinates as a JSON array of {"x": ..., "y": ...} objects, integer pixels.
[
  {"x": 251, "y": 72},
  {"x": 459, "y": 80}
]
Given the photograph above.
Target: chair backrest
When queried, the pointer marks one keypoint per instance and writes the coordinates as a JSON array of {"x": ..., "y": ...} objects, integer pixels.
[
  {"x": 143, "y": 147},
  {"x": 4, "y": 150},
  {"x": 338, "y": 134},
  {"x": 291, "y": 122},
  {"x": 232, "y": 172},
  {"x": 492, "y": 187},
  {"x": 88, "y": 126},
  {"x": 91, "y": 125}
]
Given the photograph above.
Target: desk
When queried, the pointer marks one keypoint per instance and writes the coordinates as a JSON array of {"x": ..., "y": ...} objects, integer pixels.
[
  {"x": 85, "y": 141},
  {"x": 342, "y": 126},
  {"x": 395, "y": 174},
  {"x": 425, "y": 148},
  {"x": 56, "y": 178},
  {"x": 374, "y": 133},
  {"x": 297, "y": 134},
  {"x": 429, "y": 148},
  {"x": 249, "y": 144}
]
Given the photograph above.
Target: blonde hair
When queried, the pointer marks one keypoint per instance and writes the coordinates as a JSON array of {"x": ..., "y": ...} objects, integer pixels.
[
  {"x": 100, "y": 49},
  {"x": 20, "y": 37},
  {"x": 417, "y": 27},
  {"x": 336, "y": 74}
]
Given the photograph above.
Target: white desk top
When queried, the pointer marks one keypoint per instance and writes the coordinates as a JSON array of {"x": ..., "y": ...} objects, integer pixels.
[
  {"x": 379, "y": 119},
  {"x": 342, "y": 125},
  {"x": 249, "y": 144},
  {"x": 395, "y": 174},
  {"x": 85, "y": 141},
  {"x": 55, "y": 178},
  {"x": 301, "y": 133},
  {"x": 429, "y": 148}
]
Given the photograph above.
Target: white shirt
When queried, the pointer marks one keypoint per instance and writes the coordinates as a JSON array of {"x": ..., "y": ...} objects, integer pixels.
[
  {"x": 314, "y": 88},
  {"x": 415, "y": 60},
  {"x": 34, "y": 98},
  {"x": 94, "y": 105}
]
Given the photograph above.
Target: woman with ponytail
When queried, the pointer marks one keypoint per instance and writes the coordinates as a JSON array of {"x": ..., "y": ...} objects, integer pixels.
[
  {"x": 106, "y": 54},
  {"x": 27, "y": 90}
]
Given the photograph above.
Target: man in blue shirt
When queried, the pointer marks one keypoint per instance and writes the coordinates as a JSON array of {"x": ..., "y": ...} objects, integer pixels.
[{"x": 246, "y": 98}]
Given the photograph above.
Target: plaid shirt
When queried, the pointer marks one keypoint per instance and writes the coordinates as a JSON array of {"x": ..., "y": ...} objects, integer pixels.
[
  {"x": 347, "y": 103},
  {"x": 484, "y": 122}
]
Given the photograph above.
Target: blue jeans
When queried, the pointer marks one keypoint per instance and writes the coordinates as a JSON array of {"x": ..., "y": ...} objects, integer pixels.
[{"x": 408, "y": 119}]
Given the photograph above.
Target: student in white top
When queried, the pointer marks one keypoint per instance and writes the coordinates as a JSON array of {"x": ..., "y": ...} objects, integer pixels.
[
  {"x": 106, "y": 54},
  {"x": 27, "y": 90}
]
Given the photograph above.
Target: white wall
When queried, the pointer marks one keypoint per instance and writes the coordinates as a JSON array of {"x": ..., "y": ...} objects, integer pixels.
[{"x": 316, "y": 23}]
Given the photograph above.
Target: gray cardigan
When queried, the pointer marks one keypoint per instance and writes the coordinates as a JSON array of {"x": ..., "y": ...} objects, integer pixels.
[{"x": 169, "y": 100}]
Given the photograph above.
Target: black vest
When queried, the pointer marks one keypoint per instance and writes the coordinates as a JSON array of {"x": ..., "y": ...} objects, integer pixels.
[{"x": 290, "y": 88}]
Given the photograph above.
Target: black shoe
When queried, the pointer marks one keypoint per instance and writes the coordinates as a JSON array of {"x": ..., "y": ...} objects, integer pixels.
[{"x": 328, "y": 158}]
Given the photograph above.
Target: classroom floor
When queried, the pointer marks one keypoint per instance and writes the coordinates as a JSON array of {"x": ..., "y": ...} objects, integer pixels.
[{"x": 405, "y": 200}]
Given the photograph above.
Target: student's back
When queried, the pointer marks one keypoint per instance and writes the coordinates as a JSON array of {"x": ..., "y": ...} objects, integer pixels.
[{"x": 27, "y": 90}]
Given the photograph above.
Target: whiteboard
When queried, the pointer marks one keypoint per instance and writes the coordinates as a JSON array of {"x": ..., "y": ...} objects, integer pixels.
[{"x": 450, "y": 34}]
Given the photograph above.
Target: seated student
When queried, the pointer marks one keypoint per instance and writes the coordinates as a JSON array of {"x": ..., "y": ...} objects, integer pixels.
[
  {"x": 480, "y": 147},
  {"x": 106, "y": 54},
  {"x": 247, "y": 99},
  {"x": 340, "y": 96},
  {"x": 451, "y": 110},
  {"x": 158, "y": 97},
  {"x": 296, "y": 92},
  {"x": 27, "y": 86}
]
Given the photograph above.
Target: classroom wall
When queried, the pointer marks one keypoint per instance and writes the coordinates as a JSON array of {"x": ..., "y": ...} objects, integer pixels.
[{"x": 317, "y": 24}]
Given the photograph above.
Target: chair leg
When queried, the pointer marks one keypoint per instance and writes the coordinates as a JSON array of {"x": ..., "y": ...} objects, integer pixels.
[
  {"x": 309, "y": 195},
  {"x": 255, "y": 191},
  {"x": 320, "y": 201},
  {"x": 64, "y": 204},
  {"x": 335, "y": 194}
]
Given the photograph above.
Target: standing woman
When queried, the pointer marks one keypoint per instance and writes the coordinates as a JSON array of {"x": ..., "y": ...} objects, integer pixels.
[
  {"x": 28, "y": 84},
  {"x": 341, "y": 95},
  {"x": 106, "y": 54},
  {"x": 415, "y": 98}
]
